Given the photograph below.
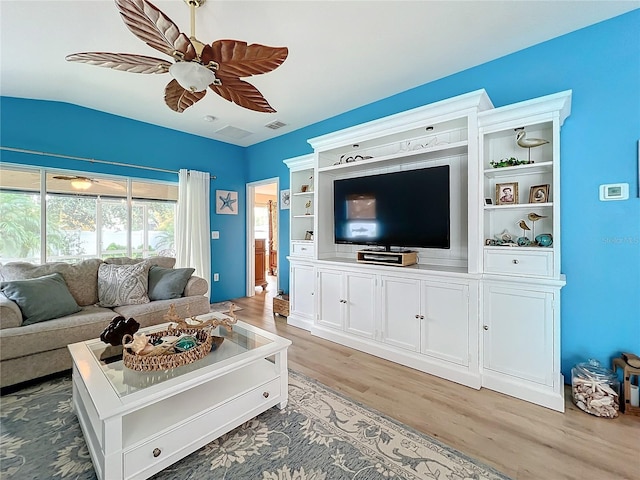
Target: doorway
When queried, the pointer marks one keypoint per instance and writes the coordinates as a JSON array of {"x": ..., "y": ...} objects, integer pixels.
[{"x": 262, "y": 237}]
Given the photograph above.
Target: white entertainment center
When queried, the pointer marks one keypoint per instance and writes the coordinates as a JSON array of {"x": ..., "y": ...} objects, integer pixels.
[{"x": 484, "y": 312}]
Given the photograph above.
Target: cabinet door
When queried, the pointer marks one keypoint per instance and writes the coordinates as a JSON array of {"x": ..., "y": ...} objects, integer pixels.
[
  {"x": 361, "y": 304},
  {"x": 331, "y": 301},
  {"x": 445, "y": 326},
  {"x": 518, "y": 332},
  {"x": 302, "y": 291},
  {"x": 401, "y": 312}
]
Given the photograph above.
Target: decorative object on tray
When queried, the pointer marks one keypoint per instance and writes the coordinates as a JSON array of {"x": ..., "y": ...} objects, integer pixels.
[
  {"x": 117, "y": 329},
  {"x": 507, "y": 193},
  {"x": 157, "y": 351},
  {"x": 524, "y": 142},
  {"x": 544, "y": 240},
  {"x": 508, "y": 162},
  {"x": 595, "y": 389},
  {"x": 183, "y": 324},
  {"x": 539, "y": 194}
]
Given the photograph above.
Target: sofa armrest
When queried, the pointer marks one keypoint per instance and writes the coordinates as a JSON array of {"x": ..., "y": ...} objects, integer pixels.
[
  {"x": 196, "y": 286},
  {"x": 10, "y": 313}
]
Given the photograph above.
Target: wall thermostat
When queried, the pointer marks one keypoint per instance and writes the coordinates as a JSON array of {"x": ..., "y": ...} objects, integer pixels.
[{"x": 614, "y": 191}]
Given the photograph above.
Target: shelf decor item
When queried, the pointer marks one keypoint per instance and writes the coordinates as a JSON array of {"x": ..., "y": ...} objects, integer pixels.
[
  {"x": 524, "y": 142},
  {"x": 508, "y": 162},
  {"x": 539, "y": 194},
  {"x": 544, "y": 240},
  {"x": 507, "y": 193}
]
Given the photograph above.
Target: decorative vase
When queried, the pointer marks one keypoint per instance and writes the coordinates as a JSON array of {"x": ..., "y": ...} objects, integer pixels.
[
  {"x": 544, "y": 240},
  {"x": 524, "y": 241}
]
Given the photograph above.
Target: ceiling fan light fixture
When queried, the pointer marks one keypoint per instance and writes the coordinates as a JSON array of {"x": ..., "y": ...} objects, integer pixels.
[
  {"x": 192, "y": 76},
  {"x": 81, "y": 183}
]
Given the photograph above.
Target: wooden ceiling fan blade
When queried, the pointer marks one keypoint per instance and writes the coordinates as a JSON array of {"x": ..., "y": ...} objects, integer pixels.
[
  {"x": 122, "y": 61},
  {"x": 154, "y": 28},
  {"x": 179, "y": 99},
  {"x": 242, "y": 93},
  {"x": 237, "y": 58}
]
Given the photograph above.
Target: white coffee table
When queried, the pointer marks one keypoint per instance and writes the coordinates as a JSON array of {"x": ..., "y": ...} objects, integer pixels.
[{"x": 138, "y": 423}]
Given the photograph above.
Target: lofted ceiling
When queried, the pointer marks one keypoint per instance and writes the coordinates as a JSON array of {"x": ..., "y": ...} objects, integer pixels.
[{"x": 342, "y": 54}]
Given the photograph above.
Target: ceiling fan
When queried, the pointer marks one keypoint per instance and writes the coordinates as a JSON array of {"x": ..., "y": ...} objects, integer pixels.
[
  {"x": 80, "y": 182},
  {"x": 196, "y": 65}
]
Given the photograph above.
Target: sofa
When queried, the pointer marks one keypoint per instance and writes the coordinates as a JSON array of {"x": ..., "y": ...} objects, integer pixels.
[{"x": 31, "y": 348}]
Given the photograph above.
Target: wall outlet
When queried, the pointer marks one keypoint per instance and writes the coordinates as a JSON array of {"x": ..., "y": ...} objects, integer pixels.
[
  {"x": 215, "y": 235},
  {"x": 216, "y": 277}
]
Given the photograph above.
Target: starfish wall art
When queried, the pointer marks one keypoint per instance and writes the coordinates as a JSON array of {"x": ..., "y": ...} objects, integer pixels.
[{"x": 226, "y": 202}]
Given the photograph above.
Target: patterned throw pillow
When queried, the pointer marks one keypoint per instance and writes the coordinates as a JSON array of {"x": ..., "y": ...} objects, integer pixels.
[{"x": 123, "y": 284}]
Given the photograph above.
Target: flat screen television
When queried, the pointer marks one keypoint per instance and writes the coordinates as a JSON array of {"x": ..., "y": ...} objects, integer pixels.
[{"x": 399, "y": 209}]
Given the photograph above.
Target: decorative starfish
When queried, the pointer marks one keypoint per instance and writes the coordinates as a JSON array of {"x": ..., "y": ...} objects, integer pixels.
[{"x": 227, "y": 202}]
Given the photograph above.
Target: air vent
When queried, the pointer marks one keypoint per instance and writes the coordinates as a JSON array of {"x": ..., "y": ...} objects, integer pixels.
[
  {"x": 233, "y": 132},
  {"x": 275, "y": 125}
]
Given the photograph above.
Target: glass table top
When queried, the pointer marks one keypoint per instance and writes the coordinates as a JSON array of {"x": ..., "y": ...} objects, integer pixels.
[{"x": 126, "y": 381}]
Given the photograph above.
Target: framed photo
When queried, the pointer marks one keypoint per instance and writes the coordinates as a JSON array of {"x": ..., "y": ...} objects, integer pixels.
[
  {"x": 285, "y": 199},
  {"x": 226, "y": 202},
  {"x": 539, "y": 194},
  {"x": 308, "y": 235},
  {"x": 507, "y": 193}
]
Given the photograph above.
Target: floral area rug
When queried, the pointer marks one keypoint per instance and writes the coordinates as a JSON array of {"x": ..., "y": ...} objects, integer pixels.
[{"x": 320, "y": 435}]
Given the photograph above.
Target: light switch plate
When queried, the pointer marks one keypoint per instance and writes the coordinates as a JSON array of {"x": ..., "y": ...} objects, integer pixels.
[
  {"x": 215, "y": 235},
  {"x": 614, "y": 191}
]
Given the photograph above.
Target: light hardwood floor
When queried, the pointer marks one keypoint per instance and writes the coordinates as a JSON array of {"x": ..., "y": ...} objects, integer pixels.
[{"x": 520, "y": 439}]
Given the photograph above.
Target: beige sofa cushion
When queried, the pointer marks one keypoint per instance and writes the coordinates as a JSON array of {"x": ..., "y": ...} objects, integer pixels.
[
  {"x": 164, "y": 262},
  {"x": 10, "y": 314},
  {"x": 52, "y": 334},
  {"x": 81, "y": 277},
  {"x": 196, "y": 286}
]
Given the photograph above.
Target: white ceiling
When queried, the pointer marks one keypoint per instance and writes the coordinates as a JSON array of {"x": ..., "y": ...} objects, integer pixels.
[{"x": 342, "y": 54}]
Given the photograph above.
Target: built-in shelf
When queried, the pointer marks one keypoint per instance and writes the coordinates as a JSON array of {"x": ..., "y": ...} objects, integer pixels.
[
  {"x": 303, "y": 216},
  {"x": 518, "y": 206},
  {"x": 532, "y": 168},
  {"x": 296, "y": 194},
  {"x": 518, "y": 248},
  {"x": 401, "y": 157}
]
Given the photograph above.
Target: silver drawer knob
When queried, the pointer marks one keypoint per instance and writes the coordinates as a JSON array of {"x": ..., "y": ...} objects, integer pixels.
[
  {"x": 265, "y": 394},
  {"x": 516, "y": 261},
  {"x": 486, "y": 327},
  {"x": 156, "y": 452}
]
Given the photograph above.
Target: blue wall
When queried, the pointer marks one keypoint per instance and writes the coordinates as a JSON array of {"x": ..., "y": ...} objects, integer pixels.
[
  {"x": 65, "y": 129},
  {"x": 601, "y": 240}
]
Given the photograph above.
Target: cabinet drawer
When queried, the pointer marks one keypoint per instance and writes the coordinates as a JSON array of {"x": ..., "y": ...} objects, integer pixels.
[
  {"x": 302, "y": 249},
  {"x": 515, "y": 262},
  {"x": 159, "y": 449}
]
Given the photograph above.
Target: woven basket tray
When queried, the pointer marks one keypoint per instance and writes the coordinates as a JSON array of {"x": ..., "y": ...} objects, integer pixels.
[{"x": 144, "y": 363}]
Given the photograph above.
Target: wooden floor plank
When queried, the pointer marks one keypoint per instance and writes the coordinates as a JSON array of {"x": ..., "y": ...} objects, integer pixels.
[{"x": 522, "y": 440}]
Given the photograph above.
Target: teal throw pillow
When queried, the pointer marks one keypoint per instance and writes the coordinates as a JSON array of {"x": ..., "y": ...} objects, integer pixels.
[
  {"x": 42, "y": 298},
  {"x": 168, "y": 283}
]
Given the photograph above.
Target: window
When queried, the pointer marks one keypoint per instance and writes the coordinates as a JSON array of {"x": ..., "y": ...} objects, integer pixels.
[{"x": 97, "y": 216}]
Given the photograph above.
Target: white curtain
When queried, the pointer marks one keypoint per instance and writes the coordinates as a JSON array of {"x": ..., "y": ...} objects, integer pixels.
[{"x": 193, "y": 247}]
